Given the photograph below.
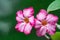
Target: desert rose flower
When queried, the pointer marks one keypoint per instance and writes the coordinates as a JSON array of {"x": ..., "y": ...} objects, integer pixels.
[
  {"x": 45, "y": 23},
  {"x": 25, "y": 20}
]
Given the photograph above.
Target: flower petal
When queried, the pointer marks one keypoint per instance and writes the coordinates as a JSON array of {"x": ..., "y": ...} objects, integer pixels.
[
  {"x": 28, "y": 28},
  {"x": 37, "y": 23},
  {"x": 20, "y": 27},
  {"x": 51, "y": 29},
  {"x": 41, "y": 31},
  {"x": 19, "y": 19},
  {"x": 20, "y": 14},
  {"x": 51, "y": 32},
  {"x": 51, "y": 18},
  {"x": 41, "y": 15},
  {"x": 31, "y": 20},
  {"x": 28, "y": 12}
]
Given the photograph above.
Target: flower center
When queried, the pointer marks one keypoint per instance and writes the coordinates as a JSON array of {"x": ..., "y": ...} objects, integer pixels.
[
  {"x": 26, "y": 20},
  {"x": 44, "y": 22}
]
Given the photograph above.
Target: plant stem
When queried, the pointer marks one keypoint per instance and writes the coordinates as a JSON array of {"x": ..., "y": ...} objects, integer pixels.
[{"x": 47, "y": 37}]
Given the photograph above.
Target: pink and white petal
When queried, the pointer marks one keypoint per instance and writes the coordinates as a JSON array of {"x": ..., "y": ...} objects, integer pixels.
[
  {"x": 20, "y": 27},
  {"x": 37, "y": 23},
  {"x": 20, "y": 14},
  {"x": 41, "y": 15},
  {"x": 19, "y": 19},
  {"x": 28, "y": 12},
  {"x": 51, "y": 18},
  {"x": 31, "y": 20},
  {"x": 43, "y": 11},
  {"x": 27, "y": 29},
  {"x": 41, "y": 31},
  {"x": 51, "y": 32},
  {"x": 51, "y": 29}
]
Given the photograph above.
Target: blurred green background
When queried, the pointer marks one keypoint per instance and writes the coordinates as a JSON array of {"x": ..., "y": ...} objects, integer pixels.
[{"x": 8, "y": 9}]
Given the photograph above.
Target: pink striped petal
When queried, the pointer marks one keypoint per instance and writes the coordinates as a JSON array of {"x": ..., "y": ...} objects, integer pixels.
[
  {"x": 37, "y": 23},
  {"x": 20, "y": 14},
  {"x": 31, "y": 20},
  {"x": 28, "y": 28},
  {"x": 28, "y": 12},
  {"x": 20, "y": 27},
  {"x": 51, "y": 32},
  {"x": 19, "y": 19},
  {"x": 41, "y": 15},
  {"x": 51, "y": 29},
  {"x": 41, "y": 31},
  {"x": 51, "y": 18}
]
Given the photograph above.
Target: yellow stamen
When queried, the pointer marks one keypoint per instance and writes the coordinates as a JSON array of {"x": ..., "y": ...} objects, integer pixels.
[
  {"x": 44, "y": 22},
  {"x": 26, "y": 20}
]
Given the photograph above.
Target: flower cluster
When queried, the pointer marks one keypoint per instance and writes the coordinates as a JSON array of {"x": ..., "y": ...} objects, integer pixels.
[{"x": 43, "y": 23}]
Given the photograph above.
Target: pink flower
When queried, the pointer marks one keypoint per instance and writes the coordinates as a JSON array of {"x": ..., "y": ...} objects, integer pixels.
[
  {"x": 25, "y": 20},
  {"x": 45, "y": 23}
]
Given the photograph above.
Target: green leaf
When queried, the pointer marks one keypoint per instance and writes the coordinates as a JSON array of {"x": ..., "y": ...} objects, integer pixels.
[
  {"x": 56, "y": 36},
  {"x": 57, "y": 0},
  {"x": 55, "y": 5}
]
